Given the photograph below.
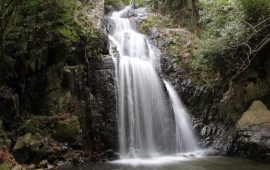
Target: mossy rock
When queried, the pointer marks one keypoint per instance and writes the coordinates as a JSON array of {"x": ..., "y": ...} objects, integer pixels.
[
  {"x": 67, "y": 130},
  {"x": 27, "y": 145},
  {"x": 4, "y": 166},
  {"x": 22, "y": 141}
]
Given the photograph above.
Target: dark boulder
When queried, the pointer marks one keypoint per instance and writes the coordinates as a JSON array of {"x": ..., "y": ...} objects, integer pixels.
[{"x": 108, "y": 25}]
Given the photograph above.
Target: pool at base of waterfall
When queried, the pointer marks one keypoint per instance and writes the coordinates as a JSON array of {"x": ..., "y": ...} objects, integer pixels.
[{"x": 179, "y": 163}]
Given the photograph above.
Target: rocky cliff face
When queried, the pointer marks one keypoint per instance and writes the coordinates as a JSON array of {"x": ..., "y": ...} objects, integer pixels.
[
  {"x": 217, "y": 107},
  {"x": 59, "y": 94},
  {"x": 250, "y": 138},
  {"x": 219, "y": 111}
]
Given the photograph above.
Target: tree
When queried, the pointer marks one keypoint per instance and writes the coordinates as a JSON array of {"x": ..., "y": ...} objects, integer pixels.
[{"x": 173, "y": 6}]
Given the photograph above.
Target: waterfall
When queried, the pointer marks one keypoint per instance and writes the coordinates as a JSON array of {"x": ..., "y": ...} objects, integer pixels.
[
  {"x": 185, "y": 138},
  {"x": 147, "y": 126}
]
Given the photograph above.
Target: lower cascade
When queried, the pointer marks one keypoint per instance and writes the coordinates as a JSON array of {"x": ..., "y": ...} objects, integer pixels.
[
  {"x": 148, "y": 126},
  {"x": 185, "y": 139}
]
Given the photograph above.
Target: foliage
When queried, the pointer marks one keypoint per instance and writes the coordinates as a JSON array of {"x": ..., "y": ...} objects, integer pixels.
[
  {"x": 255, "y": 10},
  {"x": 154, "y": 21},
  {"x": 140, "y": 3},
  {"x": 223, "y": 28},
  {"x": 171, "y": 6},
  {"x": 69, "y": 33},
  {"x": 117, "y": 4},
  {"x": 234, "y": 32}
]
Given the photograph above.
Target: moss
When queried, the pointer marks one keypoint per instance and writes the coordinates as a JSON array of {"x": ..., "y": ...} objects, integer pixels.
[
  {"x": 69, "y": 33},
  {"x": 179, "y": 44},
  {"x": 67, "y": 129},
  {"x": 22, "y": 141},
  {"x": 147, "y": 24},
  {"x": 35, "y": 125},
  {"x": 4, "y": 166}
]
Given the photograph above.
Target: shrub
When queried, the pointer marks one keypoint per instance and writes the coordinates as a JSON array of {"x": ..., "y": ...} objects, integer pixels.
[
  {"x": 223, "y": 27},
  {"x": 255, "y": 10},
  {"x": 117, "y": 4}
]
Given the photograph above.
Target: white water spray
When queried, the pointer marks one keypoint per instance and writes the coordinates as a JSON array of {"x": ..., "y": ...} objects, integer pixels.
[{"x": 185, "y": 137}]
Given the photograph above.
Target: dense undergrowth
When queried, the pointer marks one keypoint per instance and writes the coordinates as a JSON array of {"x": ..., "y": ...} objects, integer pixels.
[
  {"x": 224, "y": 36},
  {"x": 230, "y": 35},
  {"x": 118, "y": 4}
]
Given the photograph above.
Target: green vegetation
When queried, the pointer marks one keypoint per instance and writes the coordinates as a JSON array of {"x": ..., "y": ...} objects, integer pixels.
[
  {"x": 117, "y": 4},
  {"x": 68, "y": 33},
  {"x": 4, "y": 166},
  {"x": 154, "y": 21},
  {"x": 222, "y": 37},
  {"x": 67, "y": 129},
  {"x": 255, "y": 10},
  {"x": 33, "y": 23},
  {"x": 230, "y": 36},
  {"x": 141, "y": 3},
  {"x": 178, "y": 12},
  {"x": 171, "y": 6},
  {"x": 223, "y": 28}
]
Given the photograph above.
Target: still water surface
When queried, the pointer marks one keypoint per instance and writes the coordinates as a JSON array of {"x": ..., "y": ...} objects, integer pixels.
[{"x": 206, "y": 163}]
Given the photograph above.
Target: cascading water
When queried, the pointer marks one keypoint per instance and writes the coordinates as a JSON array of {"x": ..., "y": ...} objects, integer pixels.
[
  {"x": 147, "y": 127},
  {"x": 185, "y": 138}
]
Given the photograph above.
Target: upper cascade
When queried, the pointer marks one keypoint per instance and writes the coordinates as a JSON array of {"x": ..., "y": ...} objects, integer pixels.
[{"x": 147, "y": 125}]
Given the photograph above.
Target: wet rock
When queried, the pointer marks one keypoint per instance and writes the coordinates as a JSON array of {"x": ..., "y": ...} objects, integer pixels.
[
  {"x": 107, "y": 63},
  {"x": 108, "y": 9},
  {"x": 154, "y": 33},
  {"x": 128, "y": 14},
  {"x": 110, "y": 155},
  {"x": 108, "y": 25},
  {"x": 99, "y": 127},
  {"x": 250, "y": 142},
  {"x": 9, "y": 103},
  {"x": 251, "y": 137},
  {"x": 36, "y": 148},
  {"x": 25, "y": 145}
]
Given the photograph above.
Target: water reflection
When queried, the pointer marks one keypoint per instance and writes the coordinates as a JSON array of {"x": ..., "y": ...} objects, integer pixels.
[{"x": 207, "y": 163}]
